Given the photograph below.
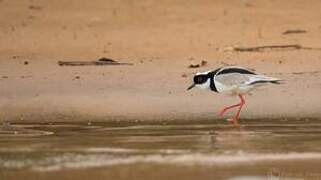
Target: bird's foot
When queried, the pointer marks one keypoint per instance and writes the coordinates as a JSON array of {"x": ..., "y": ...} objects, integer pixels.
[
  {"x": 220, "y": 113},
  {"x": 234, "y": 122}
]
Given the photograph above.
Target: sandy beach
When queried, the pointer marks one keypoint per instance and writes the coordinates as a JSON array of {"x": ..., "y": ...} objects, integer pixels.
[
  {"x": 161, "y": 39},
  {"x": 138, "y": 121}
]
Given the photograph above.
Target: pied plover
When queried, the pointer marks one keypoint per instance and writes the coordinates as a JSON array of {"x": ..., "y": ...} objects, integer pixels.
[{"x": 231, "y": 80}]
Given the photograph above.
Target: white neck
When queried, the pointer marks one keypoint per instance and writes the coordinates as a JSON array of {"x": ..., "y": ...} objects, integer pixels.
[{"x": 205, "y": 85}]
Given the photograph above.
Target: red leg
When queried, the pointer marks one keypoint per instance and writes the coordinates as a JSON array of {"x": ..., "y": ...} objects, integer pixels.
[
  {"x": 240, "y": 108},
  {"x": 237, "y": 115},
  {"x": 221, "y": 113},
  {"x": 234, "y": 120}
]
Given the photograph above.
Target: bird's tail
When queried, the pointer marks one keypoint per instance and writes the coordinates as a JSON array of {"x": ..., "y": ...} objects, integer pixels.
[
  {"x": 259, "y": 79},
  {"x": 280, "y": 81}
]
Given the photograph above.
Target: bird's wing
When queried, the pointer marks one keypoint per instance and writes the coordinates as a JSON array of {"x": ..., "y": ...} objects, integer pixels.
[
  {"x": 235, "y": 76},
  {"x": 234, "y": 69},
  {"x": 232, "y": 79}
]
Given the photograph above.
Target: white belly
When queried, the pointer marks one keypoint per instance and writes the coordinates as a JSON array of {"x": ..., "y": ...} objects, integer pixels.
[{"x": 232, "y": 90}]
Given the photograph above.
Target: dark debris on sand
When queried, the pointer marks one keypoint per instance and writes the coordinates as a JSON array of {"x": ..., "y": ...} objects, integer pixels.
[{"x": 99, "y": 62}]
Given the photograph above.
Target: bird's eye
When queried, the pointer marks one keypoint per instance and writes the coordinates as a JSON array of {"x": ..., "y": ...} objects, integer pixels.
[{"x": 200, "y": 80}]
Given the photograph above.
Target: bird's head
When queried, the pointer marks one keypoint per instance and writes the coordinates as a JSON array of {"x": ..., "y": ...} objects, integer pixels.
[{"x": 201, "y": 80}]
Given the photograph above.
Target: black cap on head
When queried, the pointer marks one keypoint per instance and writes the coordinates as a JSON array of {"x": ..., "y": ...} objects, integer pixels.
[{"x": 199, "y": 79}]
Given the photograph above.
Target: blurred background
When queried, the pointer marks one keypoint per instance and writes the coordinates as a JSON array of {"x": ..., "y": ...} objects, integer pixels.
[{"x": 137, "y": 121}]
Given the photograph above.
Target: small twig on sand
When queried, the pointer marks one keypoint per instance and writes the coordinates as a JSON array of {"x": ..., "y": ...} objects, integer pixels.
[
  {"x": 308, "y": 72},
  {"x": 273, "y": 47},
  {"x": 99, "y": 62},
  {"x": 294, "y": 31}
]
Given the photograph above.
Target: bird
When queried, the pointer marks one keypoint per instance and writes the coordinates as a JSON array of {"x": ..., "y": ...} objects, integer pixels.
[{"x": 234, "y": 81}]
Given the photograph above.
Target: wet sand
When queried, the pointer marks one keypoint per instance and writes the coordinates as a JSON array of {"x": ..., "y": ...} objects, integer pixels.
[{"x": 158, "y": 151}]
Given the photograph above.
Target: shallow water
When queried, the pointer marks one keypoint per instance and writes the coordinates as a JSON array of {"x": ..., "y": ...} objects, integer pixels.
[{"x": 274, "y": 149}]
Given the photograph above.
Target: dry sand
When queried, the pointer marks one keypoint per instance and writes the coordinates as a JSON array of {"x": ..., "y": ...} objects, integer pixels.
[{"x": 161, "y": 38}]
